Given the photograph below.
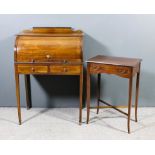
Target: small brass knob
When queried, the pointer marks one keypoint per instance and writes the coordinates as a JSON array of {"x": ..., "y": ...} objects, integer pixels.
[
  {"x": 48, "y": 56},
  {"x": 65, "y": 69},
  {"x": 33, "y": 60},
  {"x": 65, "y": 61},
  {"x": 32, "y": 69}
]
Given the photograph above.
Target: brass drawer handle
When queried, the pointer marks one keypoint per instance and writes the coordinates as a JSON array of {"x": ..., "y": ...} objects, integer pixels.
[
  {"x": 96, "y": 67},
  {"x": 32, "y": 60},
  {"x": 48, "y": 56},
  {"x": 65, "y": 61},
  {"x": 122, "y": 71},
  {"x": 32, "y": 69},
  {"x": 65, "y": 70}
]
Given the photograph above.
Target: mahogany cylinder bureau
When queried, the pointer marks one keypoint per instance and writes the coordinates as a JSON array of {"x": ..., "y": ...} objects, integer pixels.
[{"x": 48, "y": 51}]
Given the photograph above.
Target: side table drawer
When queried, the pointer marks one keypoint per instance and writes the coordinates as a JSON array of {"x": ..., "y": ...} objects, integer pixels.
[
  {"x": 32, "y": 69},
  {"x": 65, "y": 69},
  {"x": 122, "y": 71}
]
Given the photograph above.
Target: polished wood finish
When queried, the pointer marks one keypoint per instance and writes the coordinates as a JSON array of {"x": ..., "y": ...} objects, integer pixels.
[
  {"x": 88, "y": 91},
  {"x": 65, "y": 69},
  {"x": 38, "y": 49},
  {"x": 123, "y": 67},
  {"x": 98, "y": 91},
  {"x": 31, "y": 69},
  {"x": 129, "y": 102},
  {"x": 18, "y": 95},
  {"x": 119, "y": 61},
  {"x": 121, "y": 71},
  {"x": 48, "y": 51},
  {"x": 137, "y": 94},
  {"x": 28, "y": 93},
  {"x": 81, "y": 94}
]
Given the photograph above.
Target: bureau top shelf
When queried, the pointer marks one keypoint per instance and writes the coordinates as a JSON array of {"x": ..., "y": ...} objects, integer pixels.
[{"x": 51, "y": 31}]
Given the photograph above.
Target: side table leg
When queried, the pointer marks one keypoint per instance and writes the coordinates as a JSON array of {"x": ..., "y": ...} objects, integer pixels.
[
  {"x": 88, "y": 93},
  {"x": 129, "y": 102},
  {"x": 137, "y": 95},
  {"x": 81, "y": 99},
  {"x": 98, "y": 91},
  {"x": 27, "y": 89},
  {"x": 18, "y": 96}
]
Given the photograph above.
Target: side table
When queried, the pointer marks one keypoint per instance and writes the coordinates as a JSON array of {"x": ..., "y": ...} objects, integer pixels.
[{"x": 123, "y": 67}]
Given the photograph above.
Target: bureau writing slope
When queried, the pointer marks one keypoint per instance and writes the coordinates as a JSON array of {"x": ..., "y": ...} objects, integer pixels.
[{"x": 48, "y": 51}]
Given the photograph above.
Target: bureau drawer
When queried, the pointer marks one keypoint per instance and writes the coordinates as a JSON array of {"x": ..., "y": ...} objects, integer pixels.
[
  {"x": 32, "y": 69},
  {"x": 121, "y": 71},
  {"x": 64, "y": 69},
  {"x": 44, "y": 57}
]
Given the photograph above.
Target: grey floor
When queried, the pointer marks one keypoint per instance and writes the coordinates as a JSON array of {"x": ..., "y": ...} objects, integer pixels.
[{"x": 62, "y": 123}]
